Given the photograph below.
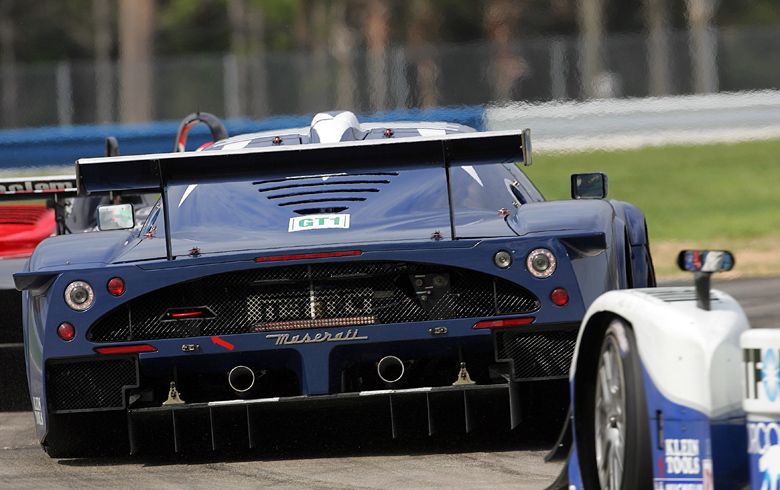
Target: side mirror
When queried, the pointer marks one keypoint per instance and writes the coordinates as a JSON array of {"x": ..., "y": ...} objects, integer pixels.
[
  {"x": 116, "y": 217},
  {"x": 589, "y": 186},
  {"x": 705, "y": 260},
  {"x": 703, "y": 263}
]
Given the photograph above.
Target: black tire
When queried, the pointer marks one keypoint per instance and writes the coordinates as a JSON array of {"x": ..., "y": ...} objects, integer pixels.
[{"x": 620, "y": 422}]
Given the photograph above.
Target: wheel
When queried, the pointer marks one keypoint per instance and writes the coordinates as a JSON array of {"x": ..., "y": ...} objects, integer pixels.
[{"x": 621, "y": 433}]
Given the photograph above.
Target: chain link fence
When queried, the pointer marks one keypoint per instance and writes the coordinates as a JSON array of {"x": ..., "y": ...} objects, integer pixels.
[{"x": 540, "y": 69}]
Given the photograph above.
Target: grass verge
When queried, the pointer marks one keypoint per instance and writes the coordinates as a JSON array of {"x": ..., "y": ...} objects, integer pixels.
[{"x": 714, "y": 196}]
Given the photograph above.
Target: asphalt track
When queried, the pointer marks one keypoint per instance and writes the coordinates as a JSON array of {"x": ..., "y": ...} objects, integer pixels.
[{"x": 502, "y": 462}]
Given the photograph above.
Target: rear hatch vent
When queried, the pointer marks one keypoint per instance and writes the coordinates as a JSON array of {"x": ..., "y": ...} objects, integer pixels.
[{"x": 318, "y": 194}]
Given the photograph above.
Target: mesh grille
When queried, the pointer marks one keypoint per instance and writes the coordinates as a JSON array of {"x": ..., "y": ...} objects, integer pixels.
[
  {"x": 350, "y": 293},
  {"x": 89, "y": 384},
  {"x": 537, "y": 355}
]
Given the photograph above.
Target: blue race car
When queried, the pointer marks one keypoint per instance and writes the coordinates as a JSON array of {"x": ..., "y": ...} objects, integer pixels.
[{"x": 410, "y": 264}]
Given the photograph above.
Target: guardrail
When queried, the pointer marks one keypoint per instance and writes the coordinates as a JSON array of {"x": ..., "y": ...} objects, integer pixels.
[
  {"x": 61, "y": 146},
  {"x": 652, "y": 121}
]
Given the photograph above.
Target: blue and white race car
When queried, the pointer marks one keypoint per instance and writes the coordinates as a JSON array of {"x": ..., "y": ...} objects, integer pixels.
[{"x": 661, "y": 383}]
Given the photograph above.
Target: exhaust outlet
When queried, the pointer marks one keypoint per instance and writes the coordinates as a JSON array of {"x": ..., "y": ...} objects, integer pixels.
[
  {"x": 241, "y": 379},
  {"x": 390, "y": 369}
]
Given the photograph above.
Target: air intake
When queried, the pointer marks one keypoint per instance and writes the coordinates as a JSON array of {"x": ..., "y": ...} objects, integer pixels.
[{"x": 327, "y": 193}]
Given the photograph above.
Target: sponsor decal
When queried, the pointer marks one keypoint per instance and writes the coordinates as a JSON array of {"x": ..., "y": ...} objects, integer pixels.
[
  {"x": 29, "y": 186},
  {"x": 682, "y": 468},
  {"x": 287, "y": 339},
  {"x": 318, "y": 222},
  {"x": 769, "y": 374},
  {"x": 762, "y": 374},
  {"x": 764, "y": 450},
  {"x": 682, "y": 456}
]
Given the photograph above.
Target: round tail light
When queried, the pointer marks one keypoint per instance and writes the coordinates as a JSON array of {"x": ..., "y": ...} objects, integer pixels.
[
  {"x": 79, "y": 295},
  {"x": 116, "y": 286},
  {"x": 559, "y": 297},
  {"x": 541, "y": 263},
  {"x": 66, "y": 331}
]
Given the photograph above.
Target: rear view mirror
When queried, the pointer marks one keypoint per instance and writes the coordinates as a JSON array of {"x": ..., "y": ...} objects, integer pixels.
[
  {"x": 705, "y": 260},
  {"x": 589, "y": 186},
  {"x": 116, "y": 217}
]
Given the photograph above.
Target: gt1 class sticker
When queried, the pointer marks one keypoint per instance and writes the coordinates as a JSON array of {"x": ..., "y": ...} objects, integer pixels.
[
  {"x": 318, "y": 222},
  {"x": 762, "y": 374}
]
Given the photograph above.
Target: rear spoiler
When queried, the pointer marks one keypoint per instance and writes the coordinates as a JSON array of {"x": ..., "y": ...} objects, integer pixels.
[
  {"x": 151, "y": 173},
  {"x": 57, "y": 187}
]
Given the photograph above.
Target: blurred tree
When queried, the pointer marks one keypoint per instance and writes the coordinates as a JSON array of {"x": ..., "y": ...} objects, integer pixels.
[
  {"x": 590, "y": 15},
  {"x": 104, "y": 80},
  {"x": 136, "y": 28},
  {"x": 187, "y": 26},
  {"x": 423, "y": 31},
  {"x": 658, "y": 59},
  {"x": 501, "y": 18},
  {"x": 376, "y": 27},
  {"x": 703, "y": 45},
  {"x": 342, "y": 46},
  {"x": 8, "y": 63}
]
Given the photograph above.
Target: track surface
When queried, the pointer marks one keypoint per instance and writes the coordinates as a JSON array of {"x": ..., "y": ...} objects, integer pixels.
[{"x": 506, "y": 462}]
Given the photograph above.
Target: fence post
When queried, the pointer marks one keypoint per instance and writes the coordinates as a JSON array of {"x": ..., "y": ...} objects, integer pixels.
[
  {"x": 558, "y": 68},
  {"x": 231, "y": 86},
  {"x": 64, "y": 94}
]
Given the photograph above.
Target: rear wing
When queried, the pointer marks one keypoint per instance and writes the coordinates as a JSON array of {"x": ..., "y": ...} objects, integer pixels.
[
  {"x": 152, "y": 173},
  {"x": 57, "y": 187}
]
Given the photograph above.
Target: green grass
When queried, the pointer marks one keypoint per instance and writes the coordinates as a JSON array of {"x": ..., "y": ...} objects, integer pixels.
[{"x": 722, "y": 191}]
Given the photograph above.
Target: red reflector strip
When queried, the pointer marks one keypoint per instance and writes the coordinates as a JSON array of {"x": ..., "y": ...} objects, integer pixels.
[
  {"x": 509, "y": 322},
  {"x": 126, "y": 349},
  {"x": 317, "y": 255},
  {"x": 186, "y": 314}
]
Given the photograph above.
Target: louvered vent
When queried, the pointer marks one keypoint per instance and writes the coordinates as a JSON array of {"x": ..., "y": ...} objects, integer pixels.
[{"x": 315, "y": 194}]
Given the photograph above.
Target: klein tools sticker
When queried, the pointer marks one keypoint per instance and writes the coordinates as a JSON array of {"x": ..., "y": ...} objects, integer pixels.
[
  {"x": 318, "y": 222},
  {"x": 682, "y": 467}
]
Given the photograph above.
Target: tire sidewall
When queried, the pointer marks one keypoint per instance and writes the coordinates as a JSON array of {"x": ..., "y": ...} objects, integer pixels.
[{"x": 637, "y": 469}]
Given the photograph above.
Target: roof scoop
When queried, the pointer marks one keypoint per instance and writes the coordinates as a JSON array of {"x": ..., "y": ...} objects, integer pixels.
[{"x": 333, "y": 127}]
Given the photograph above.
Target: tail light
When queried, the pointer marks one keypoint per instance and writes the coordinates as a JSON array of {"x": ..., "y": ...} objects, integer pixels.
[
  {"x": 559, "y": 297},
  {"x": 504, "y": 322},
  {"x": 126, "y": 349},
  {"x": 541, "y": 263},
  {"x": 66, "y": 331},
  {"x": 79, "y": 295},
  {"x": 116, "y": 286}
]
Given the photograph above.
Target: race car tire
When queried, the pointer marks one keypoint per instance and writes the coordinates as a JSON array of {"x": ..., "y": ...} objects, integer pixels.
[{"x": 621, "y": 433}]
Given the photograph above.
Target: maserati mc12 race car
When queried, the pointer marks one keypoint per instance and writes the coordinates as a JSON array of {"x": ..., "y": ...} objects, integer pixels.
[{"x": 398, "y": 266}]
